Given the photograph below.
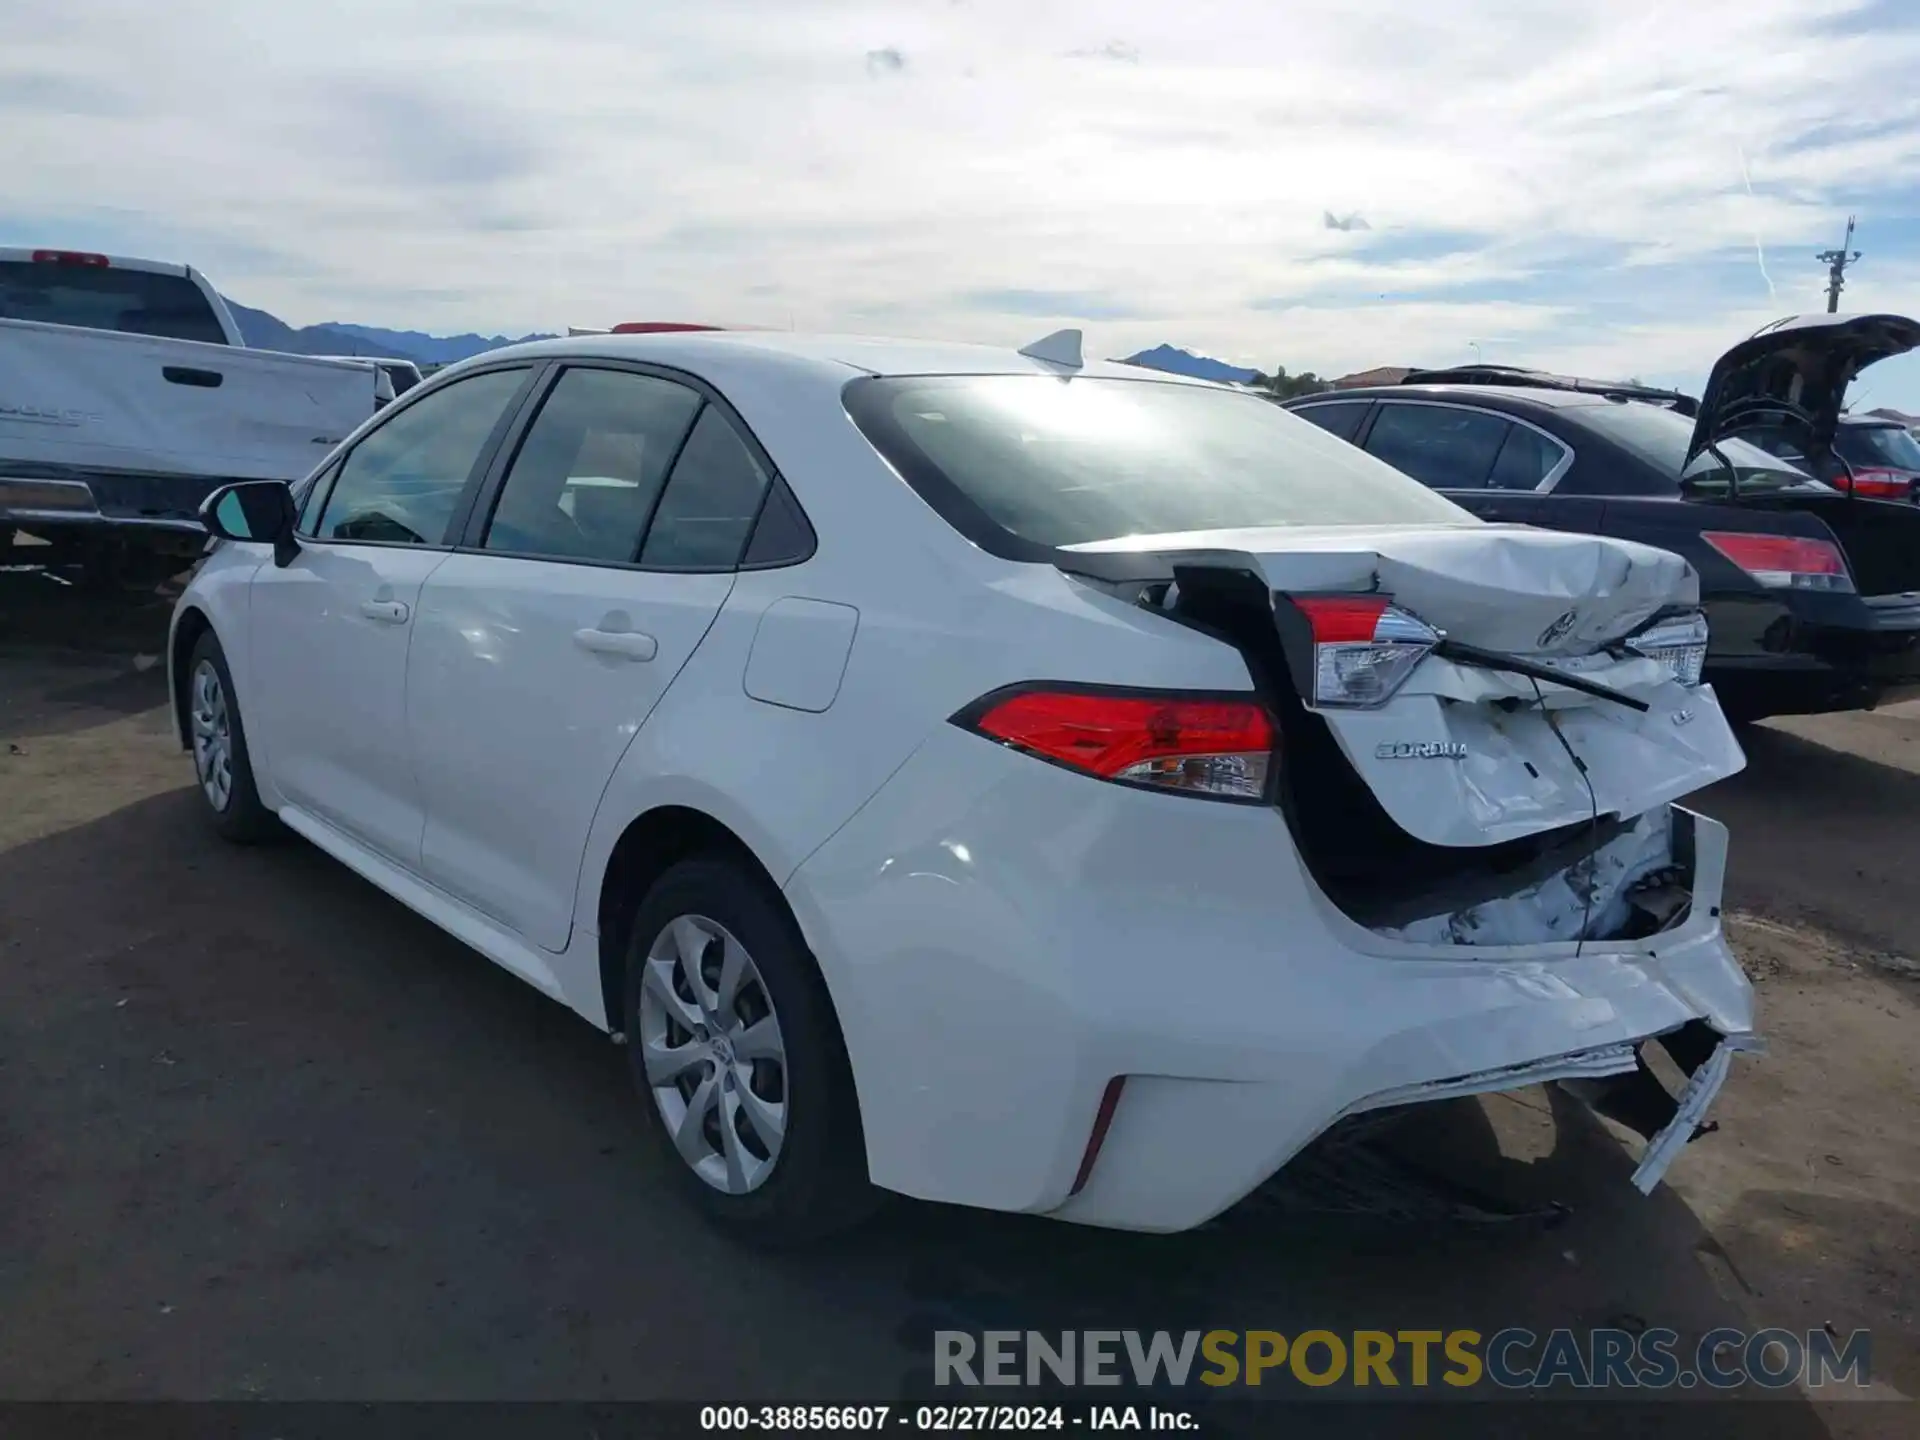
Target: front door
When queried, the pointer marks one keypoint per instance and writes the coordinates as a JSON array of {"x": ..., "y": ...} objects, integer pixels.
[
  {"x": 541, "y": 649},
  {"x": 331, "y": 631}
]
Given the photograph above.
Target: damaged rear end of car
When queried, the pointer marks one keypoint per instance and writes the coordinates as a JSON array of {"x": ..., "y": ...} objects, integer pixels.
[
  {"x": 1430, "y": 845},
  {"x": 1481, "y": 734}
]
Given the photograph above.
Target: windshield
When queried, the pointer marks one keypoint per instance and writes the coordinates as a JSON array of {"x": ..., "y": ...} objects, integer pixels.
[
  {"x": 1067, "y": 462},
  {"x": 1660, "y": 437},
  {"x": 1878, "y": 445},
  {"x": 100, "y": 297}
]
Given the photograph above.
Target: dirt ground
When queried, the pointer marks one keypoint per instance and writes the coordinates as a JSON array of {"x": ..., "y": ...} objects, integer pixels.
[{"x": 265, "y": 1133}]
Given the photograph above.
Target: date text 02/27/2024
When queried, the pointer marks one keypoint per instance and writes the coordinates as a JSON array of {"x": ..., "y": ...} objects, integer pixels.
[{"x": 940, "y": 1419}]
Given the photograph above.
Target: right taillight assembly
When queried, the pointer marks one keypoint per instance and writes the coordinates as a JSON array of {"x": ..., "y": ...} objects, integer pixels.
[
  {"x": 1219, "y": 748},
  {"x": 1677, "y": 641},
  {"x": 1876, "y": 484},
  {"x": 1364, "y": 648},
  {"x": 1785, "y": 562}
]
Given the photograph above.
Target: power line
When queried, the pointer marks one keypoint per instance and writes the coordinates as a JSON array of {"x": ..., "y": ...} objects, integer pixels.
[{"x": 1836, "y": 262}]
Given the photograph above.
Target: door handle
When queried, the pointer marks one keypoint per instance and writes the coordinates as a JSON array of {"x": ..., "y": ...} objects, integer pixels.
[
  {"x": 620, "y": 644},
  {"x": 390, "y": 612}
]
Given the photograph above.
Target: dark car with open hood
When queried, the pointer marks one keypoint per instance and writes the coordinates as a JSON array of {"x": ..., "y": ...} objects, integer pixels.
[{"x": 1811, "y": 585}]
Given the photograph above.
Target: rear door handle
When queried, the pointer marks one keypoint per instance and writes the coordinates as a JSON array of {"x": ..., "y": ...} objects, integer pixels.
[
  {"x": 388, "y": 612},
  {"x": 620, "y": 644}
]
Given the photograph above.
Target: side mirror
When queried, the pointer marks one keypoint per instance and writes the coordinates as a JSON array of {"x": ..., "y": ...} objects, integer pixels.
[{"x": 258, "y": 512}]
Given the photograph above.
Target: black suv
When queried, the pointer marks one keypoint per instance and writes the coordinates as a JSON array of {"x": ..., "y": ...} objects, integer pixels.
[{"x": 1812, "y": 593}]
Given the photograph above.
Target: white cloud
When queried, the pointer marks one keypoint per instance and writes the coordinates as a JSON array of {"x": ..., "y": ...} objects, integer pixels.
[{"x": 505, "y": 164}]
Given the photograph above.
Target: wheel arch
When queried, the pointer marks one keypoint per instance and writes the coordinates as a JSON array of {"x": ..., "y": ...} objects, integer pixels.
[
  {"x": 187, "y": 630},
  {"x": 651, "y": 844}
]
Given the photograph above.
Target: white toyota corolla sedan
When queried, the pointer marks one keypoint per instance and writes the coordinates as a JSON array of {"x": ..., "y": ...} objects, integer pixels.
[{"x": 984, "y": 776}]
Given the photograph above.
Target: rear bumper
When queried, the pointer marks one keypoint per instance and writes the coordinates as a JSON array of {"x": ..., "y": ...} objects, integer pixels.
[
  {"x": 1808, "y": 655},
  {"x": 1003, "y": 939},
  {"x": 40, "y": 498}
]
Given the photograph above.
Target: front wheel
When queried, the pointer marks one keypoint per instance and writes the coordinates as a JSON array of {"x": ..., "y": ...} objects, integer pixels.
[
  {"x": 221, "y": 762},
  {"x": 738, "y": 1058}
]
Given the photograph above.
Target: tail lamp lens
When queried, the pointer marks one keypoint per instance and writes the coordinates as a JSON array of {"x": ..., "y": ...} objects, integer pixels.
[
  {"x": 1364, "y": 648},
  {"x": 1187, "y": 745},
  {"x": 1785, "y": 562},
  {"x": 1877, "y": 484},
  {"x": 1677, "y": 641}
]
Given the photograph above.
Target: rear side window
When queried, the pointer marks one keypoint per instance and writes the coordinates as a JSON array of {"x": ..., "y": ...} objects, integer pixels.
[
  {"x": 1525, "y": 460},
  {"x": 711, "y": 501},
  {"x": 401, "y": 484},
  {"x": 1339, "y": 418},
  {"x": 1878, "y": 445},
  {"x": 102, "y": 297},
  {"x": 592, "y": 466},
  {"x": 1660, "y": 437},
  {"x": 1438, "y": 445},
  {"x": 1034, "y": 459}
]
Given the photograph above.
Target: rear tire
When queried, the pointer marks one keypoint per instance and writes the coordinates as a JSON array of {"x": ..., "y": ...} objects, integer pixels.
[
  {"x": 737, "y": 1055},
  {"x": 221, "y": 762}
]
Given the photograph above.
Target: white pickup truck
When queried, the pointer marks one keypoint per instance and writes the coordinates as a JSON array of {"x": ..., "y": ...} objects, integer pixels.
[{"x": 127, "y": 394}]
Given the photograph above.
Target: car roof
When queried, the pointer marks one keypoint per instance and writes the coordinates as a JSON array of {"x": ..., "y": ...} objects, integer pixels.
[
  {"x": 1518, "y": 396},
  {"x": 1871, "y": 422},
  {"x": 838, "y": 357}
]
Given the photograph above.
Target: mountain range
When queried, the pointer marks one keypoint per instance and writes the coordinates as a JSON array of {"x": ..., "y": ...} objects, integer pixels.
[
  {"x": 1176, "y": 361},
  {"x": 263, "y": 331}
]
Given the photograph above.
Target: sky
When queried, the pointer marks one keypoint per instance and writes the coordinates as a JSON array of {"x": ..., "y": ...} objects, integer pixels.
[{"x": 1616, "y": 189}]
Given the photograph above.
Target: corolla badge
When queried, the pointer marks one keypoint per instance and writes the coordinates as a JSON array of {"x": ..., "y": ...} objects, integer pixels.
[
  {"x": 1421, "y": 750},
  {"x": 1558, "y": 630}
]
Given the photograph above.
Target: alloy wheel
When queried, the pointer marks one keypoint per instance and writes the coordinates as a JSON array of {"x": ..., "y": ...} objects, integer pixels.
[
  {"x": 212, "y": 736},
  {"x": 714, "y": 1055}
]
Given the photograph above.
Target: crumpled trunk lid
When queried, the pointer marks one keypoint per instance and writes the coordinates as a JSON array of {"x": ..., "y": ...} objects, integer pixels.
[{"x": 1462, "y": 755}]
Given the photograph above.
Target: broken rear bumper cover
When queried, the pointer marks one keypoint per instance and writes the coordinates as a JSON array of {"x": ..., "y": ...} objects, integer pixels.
[{"x": 1011, "y": 972}]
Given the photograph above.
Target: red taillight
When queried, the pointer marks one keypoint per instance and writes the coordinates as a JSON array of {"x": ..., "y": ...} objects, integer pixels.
[
  {"x": 70, "y": 257},
  {"x": 1187, "y": 744},
  {"x": 1343, "y": 619},
  {"x": 1784, "y": 562},
  {"x": 1876, "y": 484},
  {"x": 657, "y": 327},
  {"x": 1364, "y": 648}
]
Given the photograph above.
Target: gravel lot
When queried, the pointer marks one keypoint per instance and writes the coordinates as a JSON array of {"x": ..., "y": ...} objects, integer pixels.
[{"x": 265, "y": 1133}]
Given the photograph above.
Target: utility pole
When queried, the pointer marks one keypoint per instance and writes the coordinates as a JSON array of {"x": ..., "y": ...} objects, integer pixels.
[{"x": 1836, "y": 262}]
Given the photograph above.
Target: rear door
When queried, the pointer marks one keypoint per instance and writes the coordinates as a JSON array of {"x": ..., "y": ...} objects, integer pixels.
[
  {"x": 587, "y": 578},
  {"x": 1499, "y": 467}
]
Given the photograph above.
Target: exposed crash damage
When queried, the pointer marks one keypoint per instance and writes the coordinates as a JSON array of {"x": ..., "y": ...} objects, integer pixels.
[
  {"x": 1626, "y": 885},
  {"x": 1483, "y": 732}
]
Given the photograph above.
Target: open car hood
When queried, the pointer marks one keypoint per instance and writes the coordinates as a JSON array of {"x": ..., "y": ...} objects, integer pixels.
[{"x": 1794, "y": 374}]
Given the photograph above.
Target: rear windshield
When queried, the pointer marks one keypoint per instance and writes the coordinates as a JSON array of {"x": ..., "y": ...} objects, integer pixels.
[
  {"x": 1889, "y": 445},
  {"x": 98, "y": 297},
  {"x": 1661, "y": 436},
  {"x": 1067, "y": 462}
]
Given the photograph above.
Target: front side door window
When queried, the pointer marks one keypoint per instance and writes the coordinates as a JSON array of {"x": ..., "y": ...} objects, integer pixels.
[{"x": 402, "y": 483}]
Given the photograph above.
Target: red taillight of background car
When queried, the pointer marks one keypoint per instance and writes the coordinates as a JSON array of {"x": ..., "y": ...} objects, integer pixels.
[
  {"x": 1364, "y": 648},
  {"x": 71, "y": 257},
  {"x": 1784, "y": 562},
  {"x": 1221, "y": 748},
  {"x": 658, "y": 327},
  {"x": 1873, "y": 484}
]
